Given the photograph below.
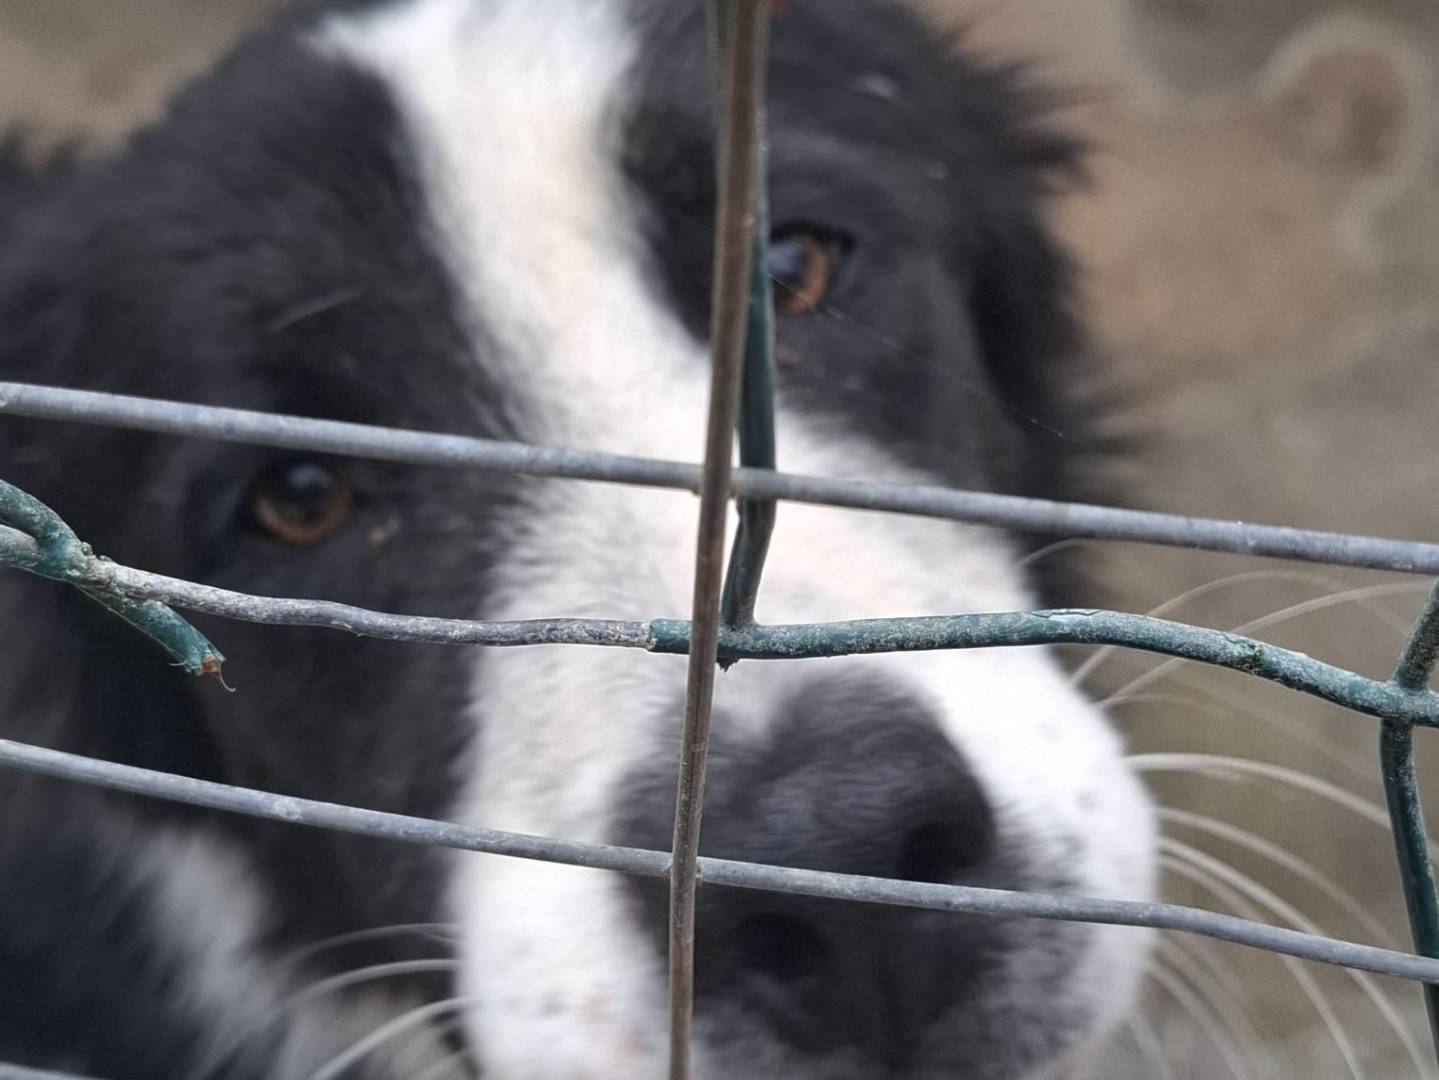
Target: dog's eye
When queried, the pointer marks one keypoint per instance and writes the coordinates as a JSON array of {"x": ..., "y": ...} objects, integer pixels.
[
  {"x": 300, "y": 502},
  {"x": 802, "y": 265}
]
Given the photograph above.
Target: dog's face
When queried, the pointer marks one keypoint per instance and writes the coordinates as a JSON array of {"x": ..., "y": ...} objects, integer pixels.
[{"x": 492, "y": 217}]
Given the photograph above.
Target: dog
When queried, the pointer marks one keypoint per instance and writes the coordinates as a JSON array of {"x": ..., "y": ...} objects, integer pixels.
[{"x": 494, "y": 218}]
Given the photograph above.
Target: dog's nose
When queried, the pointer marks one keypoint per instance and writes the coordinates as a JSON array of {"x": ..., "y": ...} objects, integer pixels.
[{"x": 858, "y": 780}]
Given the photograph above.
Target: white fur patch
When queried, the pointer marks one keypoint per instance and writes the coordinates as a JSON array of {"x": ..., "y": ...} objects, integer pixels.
[
  {"x": 513, "y": 107},
  {"x": 209, "y": 908}
]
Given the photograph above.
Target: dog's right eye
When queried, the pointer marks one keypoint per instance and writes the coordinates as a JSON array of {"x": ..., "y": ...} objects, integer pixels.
[{"x": 300, "y": 502}]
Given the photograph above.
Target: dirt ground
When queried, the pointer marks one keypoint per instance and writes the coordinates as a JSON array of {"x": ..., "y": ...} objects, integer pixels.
[{"x": 1261, "y": 247}]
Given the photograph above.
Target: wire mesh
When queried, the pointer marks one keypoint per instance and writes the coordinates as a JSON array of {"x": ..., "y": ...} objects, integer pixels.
[{"x": 721, "y": 631}]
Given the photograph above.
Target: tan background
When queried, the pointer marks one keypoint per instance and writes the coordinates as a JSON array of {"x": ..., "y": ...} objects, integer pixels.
[{"x": 1262, "y": 253}]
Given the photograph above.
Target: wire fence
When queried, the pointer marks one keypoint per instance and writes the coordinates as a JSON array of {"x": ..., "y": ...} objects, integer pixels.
[{"x": 721, "y": 630}]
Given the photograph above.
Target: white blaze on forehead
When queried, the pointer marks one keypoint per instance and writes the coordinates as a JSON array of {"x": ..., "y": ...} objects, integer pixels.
[{"x": 513, "y": 110}]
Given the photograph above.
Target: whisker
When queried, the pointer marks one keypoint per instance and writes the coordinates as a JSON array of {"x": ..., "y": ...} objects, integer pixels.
[
  {"x": 1331, "y": 584},
  {"x": 1236, "y": 902},
  {"x": 1275, "y": 618},
  {"x": 1218, "y": 765},
  {"x": 1295, "y": 918},
  {"x": 1279, "y": 856},
  {"x": 417, "y": 1017},
  {"x": 1039, "y": 554},
  {"x": 1151, "y": 1053},
  {"x": 303, "y": 995},
  {"x": 1218, "y": 987},
  {"x": 308, "y": 309},
  {"x": 440, "y": 1068},
  {"x": 372, "y": 973},
  {"x": 462, "y": 1059},
  {"x": 320, "y": 946},
  {"x": 1194, "y": 1007},
  {"x": 1235, "y": 707}
]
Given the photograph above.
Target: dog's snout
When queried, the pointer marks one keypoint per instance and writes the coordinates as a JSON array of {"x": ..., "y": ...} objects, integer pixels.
[
  {"x": 856, "y": 780},
  {"x": 853, "y": 778}
]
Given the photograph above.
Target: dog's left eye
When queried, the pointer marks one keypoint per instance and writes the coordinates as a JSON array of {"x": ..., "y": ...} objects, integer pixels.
[
  {"x": 300, "y": 502},
  {"x": 802, "y": 265}
]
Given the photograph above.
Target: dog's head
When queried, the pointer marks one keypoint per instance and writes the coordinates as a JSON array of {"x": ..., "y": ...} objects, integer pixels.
[{"x": 494, "y": 218}]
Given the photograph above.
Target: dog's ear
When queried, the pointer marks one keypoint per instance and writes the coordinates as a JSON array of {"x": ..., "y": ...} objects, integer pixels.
[{"x": 1346, "y": 96}]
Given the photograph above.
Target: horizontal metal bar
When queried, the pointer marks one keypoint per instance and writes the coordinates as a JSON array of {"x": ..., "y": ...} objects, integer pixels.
[
  {"x": 1072, "y": 626},
  {"x": 455, "y": 451},
  {"x": 955, "y": 898},
  {"x": 1221, "y": 648},
  {"x": 279, "y": 611}
]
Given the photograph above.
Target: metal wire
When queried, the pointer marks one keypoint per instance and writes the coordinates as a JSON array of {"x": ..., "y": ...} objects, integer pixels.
[
  {"x": 1077, "y": 626},
  {"x": 756, "y": 415},
  {"x": 740, "y": 53},
  {"x": 1050, "y": 517},
  {"x": 33, "y": 537},
  {"x": 636, "y": 861},
  {"x": 1401, "y": 793},
  {"x": 722, "y": 629},
  {"x": 36, "y": 539}
]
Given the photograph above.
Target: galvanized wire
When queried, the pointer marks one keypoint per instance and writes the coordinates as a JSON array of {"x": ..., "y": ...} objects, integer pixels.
[
  {"x": 1402, "y": 702},
  {"x": 954, "y": 898},
  {"x": 1046, "y": 516},
  {"x": 722, "y": 628},
  {"x": 1384, "y": 699}
]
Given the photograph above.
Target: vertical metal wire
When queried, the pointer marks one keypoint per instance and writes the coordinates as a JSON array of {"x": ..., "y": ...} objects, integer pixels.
[
  {"x": 742, "y": 398},
  {"x": 756, "y": 414},
  {"x": 1406, "y": 810},
  {"x": 756, "y": 421},
  {"x": 741, "y": 55}
]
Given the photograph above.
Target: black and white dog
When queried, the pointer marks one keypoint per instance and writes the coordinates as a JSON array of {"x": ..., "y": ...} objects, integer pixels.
[{"x": 493, "y": 217}]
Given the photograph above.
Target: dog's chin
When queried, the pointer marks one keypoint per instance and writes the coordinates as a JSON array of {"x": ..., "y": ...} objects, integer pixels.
[{"x": 553, "y": 996}]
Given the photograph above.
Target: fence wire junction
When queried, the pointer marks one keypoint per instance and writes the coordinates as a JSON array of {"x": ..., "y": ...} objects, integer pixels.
[{"x": 721, "y": 629}]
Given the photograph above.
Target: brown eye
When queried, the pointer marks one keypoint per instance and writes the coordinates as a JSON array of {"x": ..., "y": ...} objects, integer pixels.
[
  {"x": 300, "y": 502},
  {"x": 802, "y": 265}
]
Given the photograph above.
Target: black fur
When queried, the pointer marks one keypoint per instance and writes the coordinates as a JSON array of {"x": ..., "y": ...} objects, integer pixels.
[
  {"x": 264, "y": 247},
  {"x": 925, "y": 137},
  {"x": 872, "y": 765}
]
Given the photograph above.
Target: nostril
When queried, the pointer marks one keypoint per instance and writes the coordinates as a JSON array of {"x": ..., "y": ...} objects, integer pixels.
[
  {"x": 784, "y": 947},
  {"x": 938, "y": 853}
]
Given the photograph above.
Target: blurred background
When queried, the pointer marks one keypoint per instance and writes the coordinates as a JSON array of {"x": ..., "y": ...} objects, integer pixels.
[{"x": 1260, "y": 243}]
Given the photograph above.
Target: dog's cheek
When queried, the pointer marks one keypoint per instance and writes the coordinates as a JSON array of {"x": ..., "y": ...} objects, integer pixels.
[{"x": 555, "y": 976}]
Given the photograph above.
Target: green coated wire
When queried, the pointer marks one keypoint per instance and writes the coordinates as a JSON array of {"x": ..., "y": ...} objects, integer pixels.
[
  {"x": 1406, "y": 809},
  {"x": 33, "y": 537}
]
